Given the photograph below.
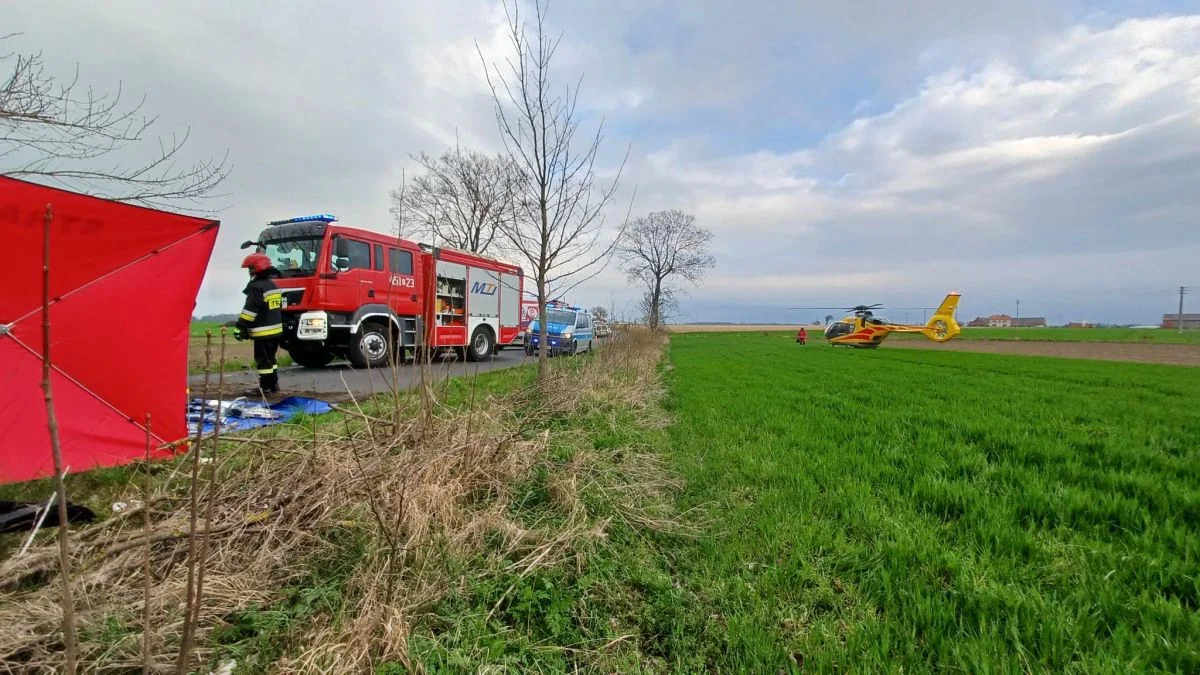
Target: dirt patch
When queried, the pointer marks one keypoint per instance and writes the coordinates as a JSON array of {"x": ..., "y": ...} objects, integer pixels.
[{"x": 1175, "y": 355}]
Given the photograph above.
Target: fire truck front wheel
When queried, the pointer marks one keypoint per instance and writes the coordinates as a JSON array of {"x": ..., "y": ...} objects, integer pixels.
[
  {"x": 482, "y": 344},
  {"x": 369, "y": 347}
]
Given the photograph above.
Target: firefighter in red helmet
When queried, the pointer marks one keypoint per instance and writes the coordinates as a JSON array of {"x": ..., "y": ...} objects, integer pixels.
[{"x": 261, "y": 319}]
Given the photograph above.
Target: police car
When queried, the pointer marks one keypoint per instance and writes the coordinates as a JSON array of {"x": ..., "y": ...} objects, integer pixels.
[{"x": 568, "y": 330}]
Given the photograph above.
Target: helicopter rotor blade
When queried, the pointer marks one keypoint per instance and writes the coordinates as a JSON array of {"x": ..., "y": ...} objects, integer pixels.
[
  {"x": 876, "y": 306},
  {"x": 864, "y": 308}
]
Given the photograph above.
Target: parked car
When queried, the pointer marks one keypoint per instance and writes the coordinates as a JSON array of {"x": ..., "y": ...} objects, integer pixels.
[
  {"x": 568, "y": 330},
  {"x": 601, "y": 328}
]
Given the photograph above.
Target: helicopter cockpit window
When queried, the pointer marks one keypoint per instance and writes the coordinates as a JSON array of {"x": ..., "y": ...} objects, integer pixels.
[{"x": 839, "y": 328}]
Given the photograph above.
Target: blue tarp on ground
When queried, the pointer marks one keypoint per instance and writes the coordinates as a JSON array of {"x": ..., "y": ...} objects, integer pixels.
[{"x": 244, "y": 414}]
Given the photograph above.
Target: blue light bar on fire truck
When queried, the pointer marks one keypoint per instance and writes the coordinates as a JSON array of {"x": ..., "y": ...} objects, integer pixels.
[{"x": 322, "y": 218}]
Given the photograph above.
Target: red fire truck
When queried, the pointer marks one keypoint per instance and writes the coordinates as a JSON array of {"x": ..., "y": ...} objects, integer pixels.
[
  {"x": 350, "y": 293},
  {"x": 529, "y": 312}
]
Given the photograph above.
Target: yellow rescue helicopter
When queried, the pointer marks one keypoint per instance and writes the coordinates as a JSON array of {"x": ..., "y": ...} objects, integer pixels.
[{"x": 864, "y": 330}]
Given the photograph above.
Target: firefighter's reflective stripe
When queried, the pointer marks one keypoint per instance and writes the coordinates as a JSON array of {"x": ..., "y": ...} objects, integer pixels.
[
  {"x": 266, "y": 331},
  {"x": 268, "y": 371},
  {"x": 273, "y": 298},
  {"x": 262, "y": 315}
]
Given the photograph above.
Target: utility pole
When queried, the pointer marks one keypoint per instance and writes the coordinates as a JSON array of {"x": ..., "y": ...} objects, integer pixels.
[
  {"x": 1179, "y": 316},
  {"x": 1018, "y": 310}
]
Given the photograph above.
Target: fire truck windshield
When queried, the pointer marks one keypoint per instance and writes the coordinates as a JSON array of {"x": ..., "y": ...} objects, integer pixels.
[{"x": 294, "y": 256}]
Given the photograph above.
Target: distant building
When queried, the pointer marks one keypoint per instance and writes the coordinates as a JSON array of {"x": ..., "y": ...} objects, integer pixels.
[
  {"x": 1029, "y": 322},
  {"x": 1006, "y": 321},
  {"x": 1081, "y": 324},
  {"x": 1189, "y": 321}
]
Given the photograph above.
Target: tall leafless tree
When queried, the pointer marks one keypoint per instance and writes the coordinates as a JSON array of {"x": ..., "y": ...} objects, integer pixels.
[
  {"x": 559, "y": 225},
  {"x": 659, "y": 251},
  {"x": 464, "y": 200},
  {"x": 656, "y": 313},
  {"x": 59, "y": 132}
]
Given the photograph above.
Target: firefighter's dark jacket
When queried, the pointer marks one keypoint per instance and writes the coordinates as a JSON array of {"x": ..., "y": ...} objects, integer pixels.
[{"x": 262, "y": 316}]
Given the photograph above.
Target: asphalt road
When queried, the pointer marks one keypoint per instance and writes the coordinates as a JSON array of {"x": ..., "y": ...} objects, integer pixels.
[{"x": 334, "y": 381}]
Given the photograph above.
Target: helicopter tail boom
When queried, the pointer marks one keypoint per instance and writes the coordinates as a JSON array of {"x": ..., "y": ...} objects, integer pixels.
[{"x": 942, "y": 326}]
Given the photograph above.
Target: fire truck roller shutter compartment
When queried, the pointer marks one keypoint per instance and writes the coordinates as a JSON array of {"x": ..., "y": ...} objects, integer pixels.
[
  {"x": 484, "y": 300},
  {"x": 450, "y": 310},
  {"x": 451, "y": 270},
  {"x": 510, "y": 308},
  {"x": 483, "y": 309}
]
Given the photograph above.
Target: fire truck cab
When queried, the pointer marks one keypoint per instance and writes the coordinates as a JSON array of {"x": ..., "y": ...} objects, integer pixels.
[{"x": 350, "y": 293}]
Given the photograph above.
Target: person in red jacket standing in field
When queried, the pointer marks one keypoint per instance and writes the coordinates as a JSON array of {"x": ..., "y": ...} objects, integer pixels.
[{"x": 802, "y": 336}]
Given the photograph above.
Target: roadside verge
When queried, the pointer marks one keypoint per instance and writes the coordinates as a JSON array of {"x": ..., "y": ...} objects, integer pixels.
[{"x": 460, "y": 525}]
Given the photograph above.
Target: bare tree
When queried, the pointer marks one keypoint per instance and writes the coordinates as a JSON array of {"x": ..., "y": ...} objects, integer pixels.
[
  {"x": 66, "y": 134},
  {"x": 463, "y": 200},
  {"x": 600, "y": 312},
  {"x": 655, "y": 315},
  {"x": 658, "y": 251},
  {"x": 560, "y": 208},
  {"x": 67, "y": 597}
]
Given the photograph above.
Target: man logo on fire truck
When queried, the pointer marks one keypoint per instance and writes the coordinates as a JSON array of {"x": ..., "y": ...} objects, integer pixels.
[{"x": 369, "y": 297}]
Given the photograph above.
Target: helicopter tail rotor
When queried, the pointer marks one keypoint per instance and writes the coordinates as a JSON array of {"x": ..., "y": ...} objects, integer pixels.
[{"x": 942, "y": 326}]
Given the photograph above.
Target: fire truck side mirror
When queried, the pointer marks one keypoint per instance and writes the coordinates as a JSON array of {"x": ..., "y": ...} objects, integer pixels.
[{"x": 341, "y": 255}]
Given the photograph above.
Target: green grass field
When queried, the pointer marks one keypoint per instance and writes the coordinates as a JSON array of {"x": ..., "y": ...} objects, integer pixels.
[
  {"x": 902, "y": 510},
  {"x": 199, "y": 327},
  {"x": 1150, "y": 335}
]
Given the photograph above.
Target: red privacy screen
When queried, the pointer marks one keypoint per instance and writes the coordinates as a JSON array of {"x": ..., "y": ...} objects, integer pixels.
[{"x": 123, "y": 284}]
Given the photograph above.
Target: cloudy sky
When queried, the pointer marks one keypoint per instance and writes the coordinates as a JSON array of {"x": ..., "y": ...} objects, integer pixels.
[{"x": 841, "y": 152}]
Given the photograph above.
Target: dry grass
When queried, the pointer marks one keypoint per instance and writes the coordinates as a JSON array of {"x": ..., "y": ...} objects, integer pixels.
[{"x": 411, "y": 495}]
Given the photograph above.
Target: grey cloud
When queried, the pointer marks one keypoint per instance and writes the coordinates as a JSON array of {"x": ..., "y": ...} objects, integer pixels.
[
  {"x": 320, "y": 106},
  {"x": 770, "y": 60}
]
